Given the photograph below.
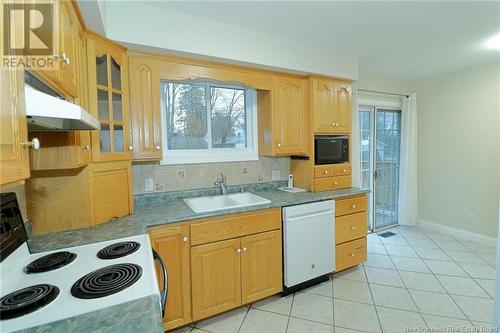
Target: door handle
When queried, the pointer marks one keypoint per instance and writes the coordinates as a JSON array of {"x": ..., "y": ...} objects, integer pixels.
[{"x": 375, "y": 174}]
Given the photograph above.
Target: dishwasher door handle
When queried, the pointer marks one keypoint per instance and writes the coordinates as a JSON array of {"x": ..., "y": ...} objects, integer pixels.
[{"x": 307, "y": 215}]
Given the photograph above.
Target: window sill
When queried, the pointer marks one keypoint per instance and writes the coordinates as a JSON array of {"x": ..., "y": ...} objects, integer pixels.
[{"x": 208, "y": 159}]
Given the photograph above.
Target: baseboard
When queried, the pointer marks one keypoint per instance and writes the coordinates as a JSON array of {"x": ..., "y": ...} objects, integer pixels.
[{"x": 459, "y": 233}]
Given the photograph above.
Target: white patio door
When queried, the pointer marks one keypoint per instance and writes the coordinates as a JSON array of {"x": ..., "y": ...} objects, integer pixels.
[{"x": 380, "y": 140}]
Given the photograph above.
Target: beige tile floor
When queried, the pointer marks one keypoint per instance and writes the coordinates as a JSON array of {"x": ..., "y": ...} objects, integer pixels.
[{"x": 419, "y": 279}]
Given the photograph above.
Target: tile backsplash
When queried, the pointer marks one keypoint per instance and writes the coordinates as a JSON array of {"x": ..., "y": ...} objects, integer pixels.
[{"x": 193, "y": 176}]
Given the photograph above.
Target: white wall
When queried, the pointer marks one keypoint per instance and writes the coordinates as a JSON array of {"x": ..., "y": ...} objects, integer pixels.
[
  {"x": 384, "y": 84},
  {"x": 189, "y": 34},
  {"x": 459, "y": 149}
]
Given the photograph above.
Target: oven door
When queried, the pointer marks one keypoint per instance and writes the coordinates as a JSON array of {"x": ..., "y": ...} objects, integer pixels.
[{"x": 331, "y": 150}]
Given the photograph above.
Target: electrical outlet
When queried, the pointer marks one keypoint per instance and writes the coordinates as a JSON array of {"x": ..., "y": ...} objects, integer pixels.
[
  {"x": 148, "y": 185},
  {"x": 260, "y": 178},
  {"x": 275, "y": 174},
  {"x": 181, "y": 173}
]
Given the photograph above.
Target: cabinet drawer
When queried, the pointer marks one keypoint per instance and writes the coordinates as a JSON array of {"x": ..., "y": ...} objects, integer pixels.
[
  {"x": 237, "y": 225},
  {"x": 350, "y": 254},
  {"x": 351, "y": 227},
  {"x": 343, "y": 169},
  {"x": 327, "y": 170},
  {"x": 332, "y": 183},
  {"x": 350, "y": 205}
]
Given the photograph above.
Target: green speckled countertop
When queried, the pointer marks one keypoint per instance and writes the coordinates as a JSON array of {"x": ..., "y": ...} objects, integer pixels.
[
  {"x": 158, "y": 213},
  {"x": 127, "y": 317}
]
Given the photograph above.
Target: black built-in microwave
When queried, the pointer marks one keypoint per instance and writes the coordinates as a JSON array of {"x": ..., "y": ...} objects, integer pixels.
[{"x": 331, "y": 149}]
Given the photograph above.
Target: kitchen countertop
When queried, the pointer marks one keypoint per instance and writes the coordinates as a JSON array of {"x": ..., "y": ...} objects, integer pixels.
[
  {"x": 159, "y": 213},
  {"x": 126, "y": 317}
]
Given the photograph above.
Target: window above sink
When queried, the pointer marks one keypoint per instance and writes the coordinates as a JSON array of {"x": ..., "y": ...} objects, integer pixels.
[{"x": 207, "y": 121}]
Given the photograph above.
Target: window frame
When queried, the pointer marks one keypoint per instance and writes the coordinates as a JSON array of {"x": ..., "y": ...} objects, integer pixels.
[{"x": 210, "y": 154}]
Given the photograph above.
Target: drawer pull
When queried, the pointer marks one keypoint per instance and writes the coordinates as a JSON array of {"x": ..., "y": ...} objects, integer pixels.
[
  {"x": 238, "y": 250},
  {"x": 352, "y": 254},
  {"x": 353, "y": 206},
  {"x": 325, "y": 172},
  {"x": 345, "y": 170},
  {"x": 353, "y": 227},
  {"x": 184, "y": 239},
  {"x": 335, "y": 183},
  {"x": 244, "y": 249}
]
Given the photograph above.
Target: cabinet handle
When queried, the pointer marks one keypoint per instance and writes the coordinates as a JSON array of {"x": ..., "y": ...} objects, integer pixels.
[
  {"x": 34, "y": 143},
  {"x": 353, "y": 206},
  {"x": 158, "y": 147},
  {"x": 63, "y": 57},
  {"x": 333, "y": 124},
  {"x": 67, "y": 60},
  {"x": 278, "y": 145},
  {"x": 130, "y": 148},
  {"x": 345, "y": 170},
  {"x": 353, "y": 227},
  {"x": 244, "y": 249},
  {"x": 352, "y": 254},
  {"x": 335, "y": 183},
  {"x": 326, "y": 172},
  {"x": 86, "y": 147},
  {"x": 184, "y": 239},
  {"x": 238, "y": 250}
]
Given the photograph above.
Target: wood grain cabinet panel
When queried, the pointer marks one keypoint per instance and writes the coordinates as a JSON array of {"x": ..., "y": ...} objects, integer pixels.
[
  {"x": 216, "y": 278},
  {"x": 235, "y": 225},
  {"x": 111, "y": 190},
  {"x": 173, "y": 246},
  {"x": 145, "y": 112},
  {"x": 327, "y": 170},
  {"x": 261, "y": 271},
  {"x": 350, "y": 254},
  {"x": 350, "y": 227},
  {"x": 331, "y": 106},
  {"x": 342, "y": 169},
  {"x": 351, "y": 205},
  {"x": 68, "y": 49},
  {"x": 14, "y": 158},
  {"x": 290, "y": 129},
  {"x": 332, "y": 183},
  {"x": 108, "y": 99}
]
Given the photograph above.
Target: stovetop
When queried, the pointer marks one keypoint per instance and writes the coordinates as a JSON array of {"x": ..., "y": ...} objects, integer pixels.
[{"x": 76, "y": 280}]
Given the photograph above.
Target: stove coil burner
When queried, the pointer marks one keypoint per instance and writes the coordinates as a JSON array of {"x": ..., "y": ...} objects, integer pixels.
[
  {"x": 118, "y": 250},
  {"x": 106, "y": 281},
  {"x": 50, "y": 262},
  {"x": 27, "y": 300}
]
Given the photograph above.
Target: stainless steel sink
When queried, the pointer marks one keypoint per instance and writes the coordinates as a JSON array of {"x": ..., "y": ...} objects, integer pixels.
[{"x": 227, "y": 201}]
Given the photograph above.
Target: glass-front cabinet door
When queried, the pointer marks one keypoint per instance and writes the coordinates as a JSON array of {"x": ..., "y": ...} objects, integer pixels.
[{"x": 108, "y": 94}]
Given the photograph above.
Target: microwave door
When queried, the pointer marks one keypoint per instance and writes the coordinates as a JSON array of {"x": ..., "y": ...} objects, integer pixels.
[{"x": 329, "y": 151}]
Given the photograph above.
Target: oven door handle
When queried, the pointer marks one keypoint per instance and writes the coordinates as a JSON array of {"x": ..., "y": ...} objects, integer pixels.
[{"x": 164, "y": 291}]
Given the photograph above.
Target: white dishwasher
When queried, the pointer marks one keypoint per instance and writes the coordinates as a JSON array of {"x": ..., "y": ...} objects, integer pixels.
[{"x": 308, "y": 244}]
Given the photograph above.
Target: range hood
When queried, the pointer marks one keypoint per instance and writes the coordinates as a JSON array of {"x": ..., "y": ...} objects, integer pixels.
[{"x": 48, "y": 113}]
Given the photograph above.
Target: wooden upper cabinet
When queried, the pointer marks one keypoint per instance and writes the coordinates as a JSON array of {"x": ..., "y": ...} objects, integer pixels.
[
  {"x": 331, "y": 106},
  {"x": 173, "y": 246},
  {"x": 290, "y": 116},
  {"x": 342, "y": 104},
  {"x": 145, "y": 109},
  {"x": 216, "y": 278},
  {"x": 68, "y": 50},
  {"x": 108, "y": 99},
  {"x": 261, "y": 266},
  {"x": 13, "y": 131}
]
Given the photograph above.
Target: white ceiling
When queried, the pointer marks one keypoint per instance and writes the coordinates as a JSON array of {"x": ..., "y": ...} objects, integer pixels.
[{"x": 404, "y": 40}]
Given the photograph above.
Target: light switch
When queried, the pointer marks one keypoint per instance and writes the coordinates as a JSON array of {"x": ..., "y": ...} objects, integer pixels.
[
  {"x": 148, "y": 185},
  {"x": 275, "y": 174}
]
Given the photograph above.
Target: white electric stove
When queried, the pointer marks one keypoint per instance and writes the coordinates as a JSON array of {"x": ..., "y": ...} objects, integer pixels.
[{"x": 37, "y": 289}]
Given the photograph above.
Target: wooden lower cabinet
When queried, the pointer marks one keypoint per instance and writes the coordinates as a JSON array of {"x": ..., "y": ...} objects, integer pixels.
[
  {"x": 216, "y": 277},
  {"x": 172, "y": 244},
  {"x": 351, "y": 227},
  {"x": 261, "y": 266}
]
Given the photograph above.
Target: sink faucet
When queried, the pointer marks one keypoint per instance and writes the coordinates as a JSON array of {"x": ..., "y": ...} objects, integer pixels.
[{"x": 221, "y": 181}]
